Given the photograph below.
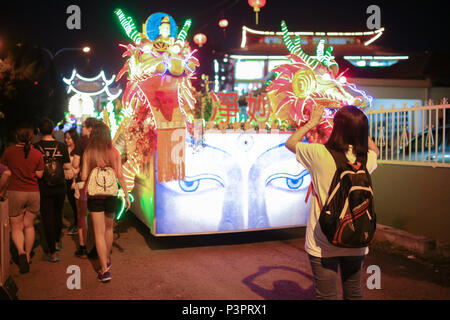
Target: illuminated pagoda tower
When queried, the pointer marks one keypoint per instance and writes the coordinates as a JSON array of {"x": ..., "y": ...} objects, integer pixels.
[{"x": 92, "y": 97}]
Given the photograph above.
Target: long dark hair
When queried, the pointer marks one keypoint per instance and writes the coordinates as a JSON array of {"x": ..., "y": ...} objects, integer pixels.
[
  {"x": 350, "y": 127},
  {"x": 99, "y": 147},
  {"x": 24, "y": 134},
  {"x": 73, "y": 134}
]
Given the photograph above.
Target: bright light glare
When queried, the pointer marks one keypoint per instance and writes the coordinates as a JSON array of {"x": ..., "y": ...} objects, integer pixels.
[
  {"x": 86, "y": 49},
  {"x": 343, "y": 79}
]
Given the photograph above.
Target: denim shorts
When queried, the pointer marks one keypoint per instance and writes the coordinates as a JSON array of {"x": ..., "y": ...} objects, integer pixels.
[
  {"x": 19, "y": 201},
  {"x": 107, "y": 204}
]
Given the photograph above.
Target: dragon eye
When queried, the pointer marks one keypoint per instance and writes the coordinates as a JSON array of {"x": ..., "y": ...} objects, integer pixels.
[{"x": 342, "y": 79}]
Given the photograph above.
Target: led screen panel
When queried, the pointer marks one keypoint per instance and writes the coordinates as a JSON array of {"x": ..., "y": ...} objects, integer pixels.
[{"x": 234, "y": 182}]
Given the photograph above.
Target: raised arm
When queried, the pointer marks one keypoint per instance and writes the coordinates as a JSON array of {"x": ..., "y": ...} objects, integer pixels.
[
  {"x": 372, "y": 146},
  {"x": 314, "y": 120}
]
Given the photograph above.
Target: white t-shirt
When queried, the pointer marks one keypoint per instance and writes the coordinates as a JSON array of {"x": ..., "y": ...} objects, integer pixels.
[{"x": 320, "y": 164}]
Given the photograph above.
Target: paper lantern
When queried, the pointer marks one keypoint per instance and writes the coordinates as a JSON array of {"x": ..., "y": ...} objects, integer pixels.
[
  {"x": 223, "y": 23},
  {"x": 200, "y": 39},
  {"x": 256, "y": 4}
]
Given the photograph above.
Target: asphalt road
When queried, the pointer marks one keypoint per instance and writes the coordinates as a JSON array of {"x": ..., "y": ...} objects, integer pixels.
[{"x": 259, "y": 265}]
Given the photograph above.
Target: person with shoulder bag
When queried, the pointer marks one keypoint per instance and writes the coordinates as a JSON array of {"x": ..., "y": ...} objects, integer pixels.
[
  {"x": 52, "y": 186},
  {"x": 342, "y": 219},
  {"x": 102, "y": 167}
]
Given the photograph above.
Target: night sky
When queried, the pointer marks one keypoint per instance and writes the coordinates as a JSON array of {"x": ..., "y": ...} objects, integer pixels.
[{"x": 411, "y": 27}]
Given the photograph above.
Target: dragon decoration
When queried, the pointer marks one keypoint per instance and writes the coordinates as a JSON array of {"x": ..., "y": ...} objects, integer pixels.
[
  {"x": 307, "y": 81},
  {"x": 159, "y": 95}
]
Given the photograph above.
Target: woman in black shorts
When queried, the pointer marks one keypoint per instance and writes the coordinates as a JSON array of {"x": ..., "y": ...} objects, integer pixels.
[{"x": 100, "y": 152}]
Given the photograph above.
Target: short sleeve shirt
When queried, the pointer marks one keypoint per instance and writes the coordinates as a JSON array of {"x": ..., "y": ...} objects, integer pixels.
[
  {"x": 321, "y": 166},
  {"x": 59, "y": 151},
  {"x": 23, "y": 171}
]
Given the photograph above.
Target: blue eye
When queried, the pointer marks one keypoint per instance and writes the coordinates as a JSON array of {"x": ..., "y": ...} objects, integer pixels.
[
  {"x": 286, "y": 181},
  {"x": 189, "y": 186},
  {"x": 199, "y": 183},
  {"x": 294, "y": 183}
]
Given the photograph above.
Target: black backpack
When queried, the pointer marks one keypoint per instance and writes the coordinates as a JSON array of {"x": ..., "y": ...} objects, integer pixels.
[
  {"x": 348, "y": 217},
  {"x": 53, "y": 168}
]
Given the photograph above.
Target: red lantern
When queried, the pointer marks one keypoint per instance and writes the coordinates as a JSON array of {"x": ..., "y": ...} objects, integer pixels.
[
  {"x": 200, "y": 39},
  {"x": 256, "y": 4},
  {"x": 223, "y": 23}
]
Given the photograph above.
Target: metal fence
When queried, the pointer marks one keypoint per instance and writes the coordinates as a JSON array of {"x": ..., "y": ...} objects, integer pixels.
[{"x": 412, "y": 136}]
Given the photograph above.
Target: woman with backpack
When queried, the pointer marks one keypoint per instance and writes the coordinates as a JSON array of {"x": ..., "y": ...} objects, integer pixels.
[
  {"x": 26, "y": 165},
  {"x": 350, "y": 139},
  {"x": 100, "y": 156},
  {"x": 52, "y": 186}
]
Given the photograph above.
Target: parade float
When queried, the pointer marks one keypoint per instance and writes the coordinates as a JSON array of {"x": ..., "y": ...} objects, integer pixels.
[{"x": 215, "y": 162}]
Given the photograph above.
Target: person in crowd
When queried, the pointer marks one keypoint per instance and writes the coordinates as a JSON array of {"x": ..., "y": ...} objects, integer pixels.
[
  {"x": 52, "y": 186},
  {"x": 4, "y": 179},
  {"x": 100, "y": 152},
  {"x": 71, "y": 137},
  {"x": 350, "y": 134},
  {"x": 80, "y": 192},
  {"x": 26, "y": 165},
  {"x": 37, "y": 136},
  {"x": 59, "y": 134}
]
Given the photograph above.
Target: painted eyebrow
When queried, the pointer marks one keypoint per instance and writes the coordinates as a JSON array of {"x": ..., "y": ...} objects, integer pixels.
[
  {"x": 270, "y": 149},
  {"x": 191, "y": 141}
]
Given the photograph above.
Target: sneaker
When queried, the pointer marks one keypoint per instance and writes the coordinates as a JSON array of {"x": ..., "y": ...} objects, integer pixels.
[
  {"x": 108, "y": 265},
  {"x": 72, "y": 230},
  {"x": 24, "y": 267},
  {"x": 51, "y": 258},
  {"x": 81, "y": 252},
  {"x": 104, "y": 276}
]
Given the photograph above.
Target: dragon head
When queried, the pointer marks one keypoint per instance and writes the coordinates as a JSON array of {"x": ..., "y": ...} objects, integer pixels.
[{"x": 307, "y": 81}]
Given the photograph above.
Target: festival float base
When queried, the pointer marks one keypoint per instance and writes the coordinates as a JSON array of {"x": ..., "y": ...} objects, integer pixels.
[
  {"x": 235, "y": 181},
  {"x": 188, "y": 178}
]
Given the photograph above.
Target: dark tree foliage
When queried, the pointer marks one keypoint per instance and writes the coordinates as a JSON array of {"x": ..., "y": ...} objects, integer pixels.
[{"x": 30, "y": 88}]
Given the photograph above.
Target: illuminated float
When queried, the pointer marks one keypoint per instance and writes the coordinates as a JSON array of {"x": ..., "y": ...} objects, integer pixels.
[{"x": 200, "y": 162}]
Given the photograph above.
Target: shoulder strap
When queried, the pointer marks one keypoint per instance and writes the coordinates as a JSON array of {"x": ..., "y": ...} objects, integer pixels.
[{"x": 339, "y": 158}]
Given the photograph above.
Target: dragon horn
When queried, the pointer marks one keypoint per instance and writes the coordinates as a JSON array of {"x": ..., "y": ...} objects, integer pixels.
[
  {"x": 299, "y": 51},
  {"x": 296, "y": 48},
  {"x": 286, "y": 38}
]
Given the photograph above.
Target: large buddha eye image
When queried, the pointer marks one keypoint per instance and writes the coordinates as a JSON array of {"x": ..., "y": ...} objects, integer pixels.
[{"x": 235, "y": 182}]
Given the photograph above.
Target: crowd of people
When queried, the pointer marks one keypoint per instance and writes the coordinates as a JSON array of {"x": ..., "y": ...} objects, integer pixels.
[
  {"x": 40, "y": 170},
  {"x": 34, "y": 187}
]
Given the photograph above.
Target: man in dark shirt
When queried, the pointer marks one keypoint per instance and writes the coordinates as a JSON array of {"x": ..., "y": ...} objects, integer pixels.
[{"x": 52, "y": 186}]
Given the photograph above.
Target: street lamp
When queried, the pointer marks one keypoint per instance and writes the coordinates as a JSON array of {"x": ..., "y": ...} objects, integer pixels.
[{"x": 84, "y": 49}]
